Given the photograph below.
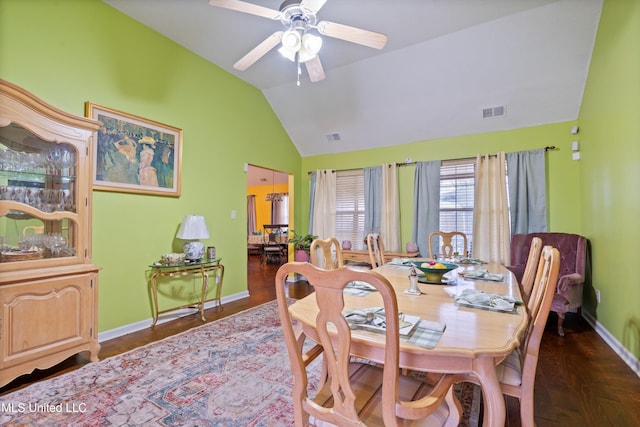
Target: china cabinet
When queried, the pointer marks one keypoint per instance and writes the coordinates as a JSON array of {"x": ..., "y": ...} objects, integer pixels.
[{"x": 48, "y": 285}]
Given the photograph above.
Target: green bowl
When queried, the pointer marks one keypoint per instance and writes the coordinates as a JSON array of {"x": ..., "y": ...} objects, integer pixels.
[{"x": 433, "y": 275}]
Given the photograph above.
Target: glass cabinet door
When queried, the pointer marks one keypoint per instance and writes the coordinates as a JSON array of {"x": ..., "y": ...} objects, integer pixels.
[{"x": 38, "y": 196}]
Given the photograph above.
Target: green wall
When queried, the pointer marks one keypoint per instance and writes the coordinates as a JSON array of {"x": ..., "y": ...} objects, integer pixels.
[
  {"x": 563, "y": 172},
  {"x": 69, "y": 52},
  {"x": 610, "y": 171}
]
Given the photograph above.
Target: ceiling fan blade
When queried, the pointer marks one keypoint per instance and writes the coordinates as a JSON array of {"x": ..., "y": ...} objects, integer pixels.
[
  {"x": 352, "y": 34},
  {"x": 315, "y": 70},
  {"x": 243, "y": 6},
  {"x": 312, "y": 5},
  {"x": 259, "y": 51}
]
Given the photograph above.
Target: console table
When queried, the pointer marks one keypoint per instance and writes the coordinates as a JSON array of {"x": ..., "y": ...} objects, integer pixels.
[{"x": 204, "y": 268}]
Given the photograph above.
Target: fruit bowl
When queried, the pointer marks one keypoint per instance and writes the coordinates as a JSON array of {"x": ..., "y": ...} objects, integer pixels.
[{"x": 433, "y": 272}]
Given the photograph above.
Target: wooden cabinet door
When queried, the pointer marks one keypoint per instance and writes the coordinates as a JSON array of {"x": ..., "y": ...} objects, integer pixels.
[{"x": 46, "y": 319}]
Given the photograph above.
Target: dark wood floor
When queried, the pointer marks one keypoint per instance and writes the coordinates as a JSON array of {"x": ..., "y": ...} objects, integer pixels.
[{"x": 580, "y": 380}]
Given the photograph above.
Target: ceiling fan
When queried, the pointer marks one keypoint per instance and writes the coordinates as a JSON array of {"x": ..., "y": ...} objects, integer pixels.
[{"x": 298, "y": 43}]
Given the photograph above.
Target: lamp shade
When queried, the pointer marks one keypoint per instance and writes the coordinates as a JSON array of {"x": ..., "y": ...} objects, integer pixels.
[{"x": 193, "y": 227}]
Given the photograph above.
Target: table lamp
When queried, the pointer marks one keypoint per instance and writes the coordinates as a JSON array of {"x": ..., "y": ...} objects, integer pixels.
[{"x": 193, "y": 228}]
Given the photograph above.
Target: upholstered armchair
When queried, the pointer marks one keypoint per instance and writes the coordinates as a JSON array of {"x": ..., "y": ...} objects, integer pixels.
[{"x": 573, "y": 260}]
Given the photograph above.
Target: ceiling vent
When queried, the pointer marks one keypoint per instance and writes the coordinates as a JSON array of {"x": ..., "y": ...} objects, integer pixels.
[
  {"x": 333, "y": 137},
  {"x": 494, "y": 111}
]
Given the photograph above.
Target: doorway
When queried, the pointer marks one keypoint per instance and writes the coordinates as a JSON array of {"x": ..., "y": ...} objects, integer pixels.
[{"x": 268, "y": 203}]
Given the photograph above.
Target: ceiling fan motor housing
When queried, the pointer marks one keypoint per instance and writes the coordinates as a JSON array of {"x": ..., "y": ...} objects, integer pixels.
[{"x": 294, "y": 14}]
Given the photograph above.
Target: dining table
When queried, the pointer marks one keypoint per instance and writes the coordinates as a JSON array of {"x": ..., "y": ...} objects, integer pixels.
[{"x": 475, "y": 339}]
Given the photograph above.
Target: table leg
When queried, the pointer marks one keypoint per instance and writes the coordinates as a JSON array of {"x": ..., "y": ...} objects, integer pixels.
[
  {"x": 203, "y": 296},
  {"x": 495, "y": 412},
  {"x": 154, "y": 288},
  {"x": 219, "y": 284}
]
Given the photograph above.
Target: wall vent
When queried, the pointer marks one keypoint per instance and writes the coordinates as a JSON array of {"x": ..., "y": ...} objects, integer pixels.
[
  {"x": 498, "y": 111},
  {"x": 333, "y": 137}
]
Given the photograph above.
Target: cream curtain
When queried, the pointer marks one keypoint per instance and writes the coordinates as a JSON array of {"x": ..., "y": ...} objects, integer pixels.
[
  {"x": 390, "y": 215},
  {"x": 251, "y": 214},
  {"x": 324, "y": 203},
  {"x": 491, "y": 234}
]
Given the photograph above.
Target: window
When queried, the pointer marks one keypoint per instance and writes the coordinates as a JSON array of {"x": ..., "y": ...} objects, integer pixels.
[
  {"x": 457, "y": 179},
  {"x": 350, "y": 207}
]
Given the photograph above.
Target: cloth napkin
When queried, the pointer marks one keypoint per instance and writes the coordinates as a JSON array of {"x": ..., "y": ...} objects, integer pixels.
[
  {"x": 482, "y": 274},
  {"x": 373, "y": 318},
  {"x": 413, "y": 330},
  {"x": 426, "y": 334},
  {"x": 471, "y": 261},
  {"x": 359, "y": 288},
  {"x": 488, "y": 301}
]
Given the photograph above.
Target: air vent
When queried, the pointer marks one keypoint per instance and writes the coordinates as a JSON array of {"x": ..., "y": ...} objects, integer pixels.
[
  {"x": 333, "y": 137},
  {"x": 493, "y": 111}
]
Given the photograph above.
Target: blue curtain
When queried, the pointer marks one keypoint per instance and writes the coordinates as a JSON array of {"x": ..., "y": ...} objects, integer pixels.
[
  {"x": 527, "y": 191},
  {"x": 372, "y": 199},
  {"x": 312, "y": 197},
  {"x": 426, "y": 203}
]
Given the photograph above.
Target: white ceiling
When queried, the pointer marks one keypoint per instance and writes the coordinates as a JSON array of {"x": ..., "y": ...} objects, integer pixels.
[{"x": 444, "y": 62}]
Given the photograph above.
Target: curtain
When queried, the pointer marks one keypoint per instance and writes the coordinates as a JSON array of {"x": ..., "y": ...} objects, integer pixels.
[
  {"x": 372, "y": 199},
  {"x": 426, "y": 203},
  {"x": 251, "y": 214},
  {"x": 491, "y": 214},
  {"x": 324, "y": 215},
  {"x": 312, "y": 195},
  {"x": 382, "y": 204},
  {"x": 390, "y": 212},
  {"x": 527, "y": 191}
]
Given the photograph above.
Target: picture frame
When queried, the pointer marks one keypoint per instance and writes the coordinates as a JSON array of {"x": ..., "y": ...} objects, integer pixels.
[{"x": 132, "y": 154}]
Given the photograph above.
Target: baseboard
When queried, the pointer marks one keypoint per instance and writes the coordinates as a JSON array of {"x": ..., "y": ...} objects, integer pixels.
[
  {"x": 616, "y": 345},
  {"x": 144, "y": 324},
  {"x": 295, "y": 277}
]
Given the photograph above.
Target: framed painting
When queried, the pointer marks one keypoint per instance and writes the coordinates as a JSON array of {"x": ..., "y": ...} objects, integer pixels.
[{"x": 135, "y": 155}]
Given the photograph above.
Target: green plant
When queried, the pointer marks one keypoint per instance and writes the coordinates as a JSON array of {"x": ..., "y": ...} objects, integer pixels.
[{"x": 302, "y": 240}]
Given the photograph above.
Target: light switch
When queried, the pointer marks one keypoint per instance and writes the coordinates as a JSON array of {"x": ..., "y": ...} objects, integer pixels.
[
  {"x": 233, "y": 214},
  {"x": 576, "y": 155}
]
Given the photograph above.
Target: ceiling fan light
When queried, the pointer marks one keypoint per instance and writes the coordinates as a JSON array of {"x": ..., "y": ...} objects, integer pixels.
[
  {"x": 288, "y": 53},
  {"x": 304, "y": 55},
  {"x": 311, "y": 43},
  {"x": 291, "y": 40}
]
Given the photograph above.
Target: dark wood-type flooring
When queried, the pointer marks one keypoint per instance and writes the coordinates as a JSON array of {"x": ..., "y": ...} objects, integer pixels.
[{"x": 580, "y": 380}]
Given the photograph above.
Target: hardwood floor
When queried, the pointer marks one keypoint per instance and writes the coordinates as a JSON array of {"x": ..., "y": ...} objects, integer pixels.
[{"x": 580, "y": 381}]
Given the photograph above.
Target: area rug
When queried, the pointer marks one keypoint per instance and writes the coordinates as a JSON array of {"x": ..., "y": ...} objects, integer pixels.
[{"x": 232, "y": 372}]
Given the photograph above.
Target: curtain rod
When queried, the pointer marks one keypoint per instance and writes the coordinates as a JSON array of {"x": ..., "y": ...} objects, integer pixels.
[{"x": 547, "y": 148}]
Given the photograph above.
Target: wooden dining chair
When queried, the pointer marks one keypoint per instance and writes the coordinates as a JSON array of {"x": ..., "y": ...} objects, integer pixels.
[
  {"x": 517, "y": 373},
  {"x": 326, "y": 253},
  {"x": 447, "y": 243},
  {"x": 531, "y": 268},
  {"x": 273, "y": 249},
  {"x": 355, "y": 393},
  {"x": 376, "y": 249}
]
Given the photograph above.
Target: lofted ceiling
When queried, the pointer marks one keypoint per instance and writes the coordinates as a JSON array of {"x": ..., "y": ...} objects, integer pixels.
[{"x": 445, "y": 62}]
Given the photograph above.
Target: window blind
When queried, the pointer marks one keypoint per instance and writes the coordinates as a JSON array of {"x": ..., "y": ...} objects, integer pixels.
[
  {"x": 457, "y": 180},
  {"x": 350, "y": 207}
]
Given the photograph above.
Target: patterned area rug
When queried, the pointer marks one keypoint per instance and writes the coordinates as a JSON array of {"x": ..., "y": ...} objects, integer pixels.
[{"x": 232, "y": 372}]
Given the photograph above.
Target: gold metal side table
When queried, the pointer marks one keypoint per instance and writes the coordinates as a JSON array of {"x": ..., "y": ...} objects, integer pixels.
[{"x": 205, "y": 268}]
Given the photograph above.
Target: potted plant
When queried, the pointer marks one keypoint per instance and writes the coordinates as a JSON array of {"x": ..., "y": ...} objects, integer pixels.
[{"x": 301, "y": 244}]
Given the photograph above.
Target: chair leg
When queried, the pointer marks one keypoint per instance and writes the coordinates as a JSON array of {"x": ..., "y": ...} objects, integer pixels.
[
  {"x": 455, "y": 409},
  {"x": 560, "y": 323}
]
